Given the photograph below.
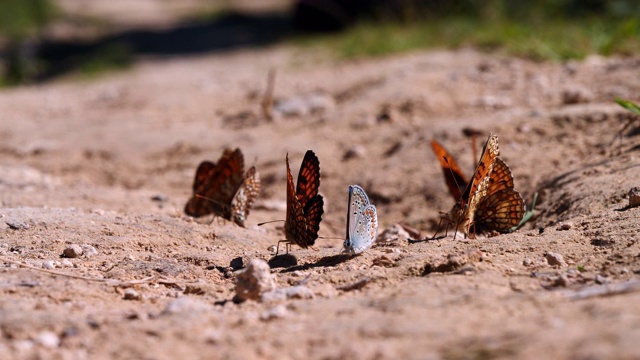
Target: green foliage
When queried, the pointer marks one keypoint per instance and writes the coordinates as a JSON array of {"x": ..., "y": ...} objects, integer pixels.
[
  {"x": 527, "y": 215},
  {"x": 110, "y": 57},
  {"x": 540, "y": 30},
  {"x": 631, "y": 106},
  {"x": 21, "y": 18}
]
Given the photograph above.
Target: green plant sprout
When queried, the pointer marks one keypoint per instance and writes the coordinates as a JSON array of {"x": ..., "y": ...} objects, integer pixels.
[{"x": 527, "y": 215}]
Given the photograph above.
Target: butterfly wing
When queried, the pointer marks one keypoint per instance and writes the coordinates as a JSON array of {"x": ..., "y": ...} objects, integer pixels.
[
  {"x": 294, "y": 225},
  {"x": 356, "y": 239},
  {"x": 308, "y": 178},
  {"x": 365, "y": 231},
  {"x": 245, "y": 196},
  {"x": 477, "y": 189},
  {"x": 217, "y": 184},
  {"x": 198, "y": 206},
  {"x": 358, "y": 200},
  {"x": 453, "y": 176},
  {"x": 503, "y": 207},
  {"x": 304, "y": 204},
  {"x": 313, "y": 215}
]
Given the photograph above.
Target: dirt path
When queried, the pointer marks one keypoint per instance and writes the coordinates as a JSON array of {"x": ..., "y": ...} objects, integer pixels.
[{"x": 109, "y": 164}]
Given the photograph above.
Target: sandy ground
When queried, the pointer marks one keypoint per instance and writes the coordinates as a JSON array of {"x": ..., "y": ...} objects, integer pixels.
[{"x": 108, "y": 164}]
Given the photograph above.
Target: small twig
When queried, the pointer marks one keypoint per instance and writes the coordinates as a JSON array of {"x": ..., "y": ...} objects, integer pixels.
[
  {"x": 164, "y": 281},
  {"x": 267, "y": 99},
  {"x": 356, "y": 285},
  {"x": 604, "y": 290}
]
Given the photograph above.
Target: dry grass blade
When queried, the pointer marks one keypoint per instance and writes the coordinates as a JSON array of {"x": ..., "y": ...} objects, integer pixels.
[{"x": 110, "y": 282}]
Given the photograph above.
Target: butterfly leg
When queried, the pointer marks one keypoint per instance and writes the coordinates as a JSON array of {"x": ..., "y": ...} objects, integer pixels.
[
  {"x": 438, "y": 229},
  {"x": 472, "y": 234},
  {"x": 278, "y": 247}
]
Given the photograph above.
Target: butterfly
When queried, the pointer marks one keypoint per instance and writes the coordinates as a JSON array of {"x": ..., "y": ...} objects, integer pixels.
[
  {"x": 304, "y": 204},
  {"x": 489, "y": 201},
  {"x": 362, "y": 222},
  {"x": 222, "y": 189}
]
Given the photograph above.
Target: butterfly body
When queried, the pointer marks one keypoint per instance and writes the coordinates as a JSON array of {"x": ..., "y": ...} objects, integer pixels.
[
  {"x": 223, "y": 190},
  {"x": 362, "y": 222},
  {"x": 489, "y": 201},
  {"x": 304, "y": 204}
]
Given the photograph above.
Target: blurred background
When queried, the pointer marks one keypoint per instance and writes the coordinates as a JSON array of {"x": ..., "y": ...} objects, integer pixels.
[{"x": 44, "y": 39}]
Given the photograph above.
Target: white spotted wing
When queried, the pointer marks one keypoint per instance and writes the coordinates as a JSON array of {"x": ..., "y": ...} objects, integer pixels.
[{"x": 362, "y": 222}]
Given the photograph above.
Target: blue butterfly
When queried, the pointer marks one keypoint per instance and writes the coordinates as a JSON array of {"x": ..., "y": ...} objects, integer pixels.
[{"x": 362, "y": 222}]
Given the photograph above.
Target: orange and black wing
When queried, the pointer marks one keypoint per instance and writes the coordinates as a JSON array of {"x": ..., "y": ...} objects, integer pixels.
[
  {"x": 477, "y": 188},
  {"x": 502, "y": 208},
  {"x": 308, "y": 178},
  {"x": 245, "y": 196},
  {"x": 464, "y": 210},
  {"x": 313, "y": 215},
  {"x": 216, "y": 184},
  {"x": 295, "y": 223},
  {"x": 304, "y": 204},
  {"x": 205, "y": 170},
  {"x": 453, "y": 176}
]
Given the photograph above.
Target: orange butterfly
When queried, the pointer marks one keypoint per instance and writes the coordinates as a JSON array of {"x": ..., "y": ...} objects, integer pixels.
[
  {"x": 489, "y": 201},
  {"x": 223, "y": 190},
  {"x": 304, "y": 204}
]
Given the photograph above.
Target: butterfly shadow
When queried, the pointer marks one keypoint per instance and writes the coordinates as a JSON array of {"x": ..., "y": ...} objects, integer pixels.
[{"x": 290, "y": 262}]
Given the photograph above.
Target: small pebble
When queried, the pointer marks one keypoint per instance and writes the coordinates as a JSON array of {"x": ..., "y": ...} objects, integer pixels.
[
  {"x": 303, "y": 105},
  {"x": 186, "y": 305},
  {"x": 23, "y": 345},
  {"x": 73, "y": 251},
  {"x": 66, "y": 263},
  {"x": 89, "y": 250},
  {"x": 565, "y": 226},
  {"x": 602, "y": 279},
  {"x": 130, "y": 294},
  {"x": 17, "y": 224},
  {"x": 562, "y": 280},
  {"x": 276, "y": 312},
  {"x": 527, "y": 262},
  {"x": 634, "y": 197},
  {"x": 49, "y": 264},
  {"x": 160, "y": 198},
  {"x": 576, "y": 95},
  {"x": 394, "y": 233},
  {"x": 48, "y": 339},
  {"x": 554, "y": 259},
  {"x": 212, "y": 335},
  {"x": 355, "y": 152},
  {"x": 254, "y": 281},
  {"x": 293, "y": 292}
]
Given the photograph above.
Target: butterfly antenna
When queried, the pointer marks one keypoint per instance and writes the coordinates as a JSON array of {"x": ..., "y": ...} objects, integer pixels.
[
  {"x": 268, "y": 222},
  {"x": 209, "y": 199}
]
